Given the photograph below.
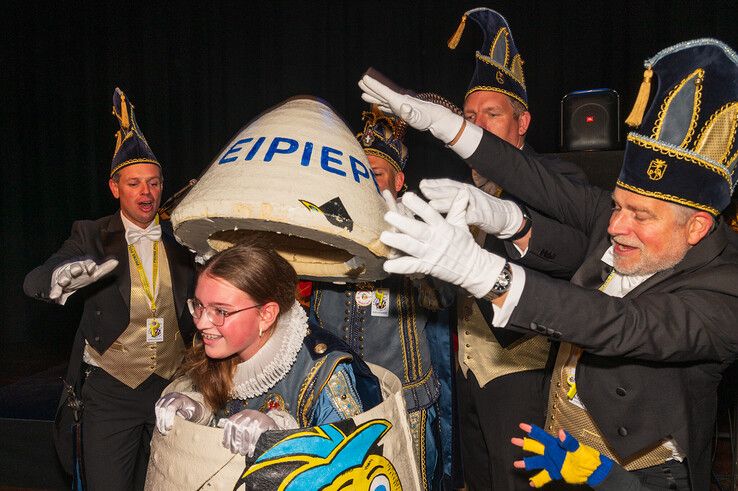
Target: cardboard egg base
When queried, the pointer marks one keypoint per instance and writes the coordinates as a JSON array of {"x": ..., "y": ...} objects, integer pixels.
[{"x": 315, "y": 255}]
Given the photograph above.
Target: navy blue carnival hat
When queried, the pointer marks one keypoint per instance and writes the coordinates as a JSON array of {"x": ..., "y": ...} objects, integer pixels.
[
  {"x": 499, "y": 66},
  {"x": 382, "y": 136},
  {"x": 130, "y": 146},
  {"x": 684, "y": 149}
]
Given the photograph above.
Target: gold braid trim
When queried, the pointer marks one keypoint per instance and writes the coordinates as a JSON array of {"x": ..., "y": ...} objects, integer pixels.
[
  {"x": 673, "y": 153},
  {"x": 382, "y": 155},
  {"x": 492, "y": 63},
  {"x": 422, "y": 445},
  {"x": 668, "y": 197},
  {"x": 305, "y": 404},
  {"x": 497, "y": 89},
  {"x": 131, "y": 162},
  {"x": 302, "y": 404},
  {"x": 502, "y": 32},
  {"x": 401, "y": 327},
  {"x": 413, "y": 328},
  {"x": 420, "y": 381},
  {"x": 699, "y": 74}
]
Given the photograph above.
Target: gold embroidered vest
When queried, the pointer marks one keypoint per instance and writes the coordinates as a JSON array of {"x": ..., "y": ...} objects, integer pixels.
[
  {"x": 479, "y": 350},
  {"x": 131, "y": 359},
  {"x": 563, "y": 414}
]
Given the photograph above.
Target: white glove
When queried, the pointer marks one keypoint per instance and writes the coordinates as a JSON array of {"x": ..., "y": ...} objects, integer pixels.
[
  {"x": 396, "y": 204},
  {"x": 443, "y": 123},
  {"x": 440, "y": 247},
  {"x": 398, "y": 207},
  {"x": 283, "y": 419},
  {"x": 71, "y": 276},
  {"x": 498, "y": 217},
  {"x": 243, "y": 429},
  {"x": 172, "y": 404}
]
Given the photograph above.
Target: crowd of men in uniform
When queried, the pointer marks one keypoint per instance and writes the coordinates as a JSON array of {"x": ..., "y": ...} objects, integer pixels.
[{"x": 608, "y": 314}]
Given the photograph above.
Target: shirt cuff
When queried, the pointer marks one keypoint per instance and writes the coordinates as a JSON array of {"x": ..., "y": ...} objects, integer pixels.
[
  {"x": 522, "y": 252},
  {"x": 468, "y": 141},
  {"x": 502, "y": 314}
]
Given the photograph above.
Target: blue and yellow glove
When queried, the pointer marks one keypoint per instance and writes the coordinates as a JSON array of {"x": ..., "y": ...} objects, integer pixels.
[{"x": 567, "y": 460}]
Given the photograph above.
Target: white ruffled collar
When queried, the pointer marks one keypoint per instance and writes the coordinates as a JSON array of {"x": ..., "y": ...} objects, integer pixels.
[{"x": 271, "y": 363}]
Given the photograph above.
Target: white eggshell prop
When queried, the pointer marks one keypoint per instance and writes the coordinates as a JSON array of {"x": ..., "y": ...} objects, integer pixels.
[{"x": 297, "y": 177}]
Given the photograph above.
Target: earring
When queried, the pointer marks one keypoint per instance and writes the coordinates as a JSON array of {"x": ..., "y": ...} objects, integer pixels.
[{"x": 260, "y": 332}]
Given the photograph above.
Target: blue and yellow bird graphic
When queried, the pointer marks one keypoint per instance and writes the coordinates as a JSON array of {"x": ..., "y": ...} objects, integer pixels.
[{"x": 329, "y": 458}]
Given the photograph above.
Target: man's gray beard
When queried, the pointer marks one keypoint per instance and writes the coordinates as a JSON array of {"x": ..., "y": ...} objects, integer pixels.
[{"x": 648, "y": 267}]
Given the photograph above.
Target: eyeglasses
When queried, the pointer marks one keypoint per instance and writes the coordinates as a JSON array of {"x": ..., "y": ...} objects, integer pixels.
[{"x": 214, "y": 314}]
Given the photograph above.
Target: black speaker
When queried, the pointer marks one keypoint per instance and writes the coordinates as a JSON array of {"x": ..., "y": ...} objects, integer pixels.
[{"x": 590, "y": 120}]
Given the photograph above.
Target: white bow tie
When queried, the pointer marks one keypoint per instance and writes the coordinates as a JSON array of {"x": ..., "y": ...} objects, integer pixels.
[{"x": 152, "y": 233}]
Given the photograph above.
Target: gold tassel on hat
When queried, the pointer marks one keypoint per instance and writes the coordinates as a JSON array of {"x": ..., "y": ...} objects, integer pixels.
[
  {"x": 454, "y": 40},
  {"x": 639, "y": 107},
  {"x": 124, "y": 121}
]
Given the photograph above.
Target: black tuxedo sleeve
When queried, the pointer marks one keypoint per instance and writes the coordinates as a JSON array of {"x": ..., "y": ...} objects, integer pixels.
[
  {"x": 527, "y": 177},
  {"x": 554, "y": 248},
  {"x": 621, "y": 480},
  {"x": 690, "y": 318},
  {"x": 38, "y": 282}
]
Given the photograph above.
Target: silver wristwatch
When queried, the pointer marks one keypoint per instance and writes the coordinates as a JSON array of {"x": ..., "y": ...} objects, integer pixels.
[{"x": 502, "y": 285}]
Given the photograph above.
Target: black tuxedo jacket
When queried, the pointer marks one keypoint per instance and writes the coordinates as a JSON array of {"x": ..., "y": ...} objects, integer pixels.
[
  {"x": 653, "y": 359},
  {"x": 106, "y": 312}
]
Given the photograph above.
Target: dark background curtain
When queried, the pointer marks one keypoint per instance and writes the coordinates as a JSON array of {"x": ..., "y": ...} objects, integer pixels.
[{"x": 199, "y": 71}]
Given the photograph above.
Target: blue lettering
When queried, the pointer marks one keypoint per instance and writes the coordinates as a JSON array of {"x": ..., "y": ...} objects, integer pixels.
[
  {"x": 255, "y": 148},
  {"x": 235, "y": 148},
  {"x": 306, "y": 154},
  {"x": 359, "y": 170},
  {"x": 325, "y": 159},
  {"x": 274, "y": 147}
]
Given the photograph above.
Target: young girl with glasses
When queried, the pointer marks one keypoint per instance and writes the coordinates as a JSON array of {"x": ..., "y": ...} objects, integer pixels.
[{"x": 254, "y": 365}]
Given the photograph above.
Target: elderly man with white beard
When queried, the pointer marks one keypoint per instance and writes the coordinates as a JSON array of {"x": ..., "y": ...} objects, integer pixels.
[{"x": 647, "y": 323}]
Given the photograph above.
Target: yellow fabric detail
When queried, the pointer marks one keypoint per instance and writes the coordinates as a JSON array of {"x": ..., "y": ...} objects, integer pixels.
[
  {"x": 534, "y": 446},
  {"x": 580, "y": 464},
  {"x": 517, "y": 68},
  {"x": 480, "y": 352},
  {"x": 131, "y": 359},
  {"x": 562, "y": 414},
  {"x": 635, "y": 118},
  {"x": 456, "y": 36},
  {"x": 718, "y": 134},
  {"x": 540, "y": 479}
]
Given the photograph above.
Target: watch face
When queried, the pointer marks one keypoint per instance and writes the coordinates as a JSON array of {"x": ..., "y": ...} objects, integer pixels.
[{"x": 503, "y": 281}]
